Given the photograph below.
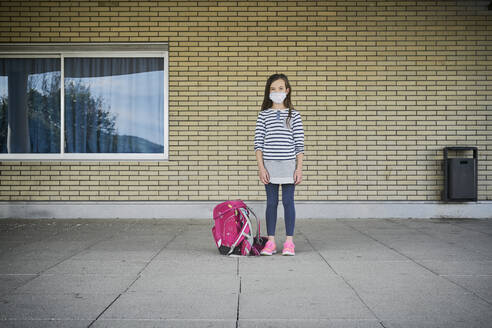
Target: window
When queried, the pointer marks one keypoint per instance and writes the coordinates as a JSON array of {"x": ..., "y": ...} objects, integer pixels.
[{"x": 84, "y": 102}]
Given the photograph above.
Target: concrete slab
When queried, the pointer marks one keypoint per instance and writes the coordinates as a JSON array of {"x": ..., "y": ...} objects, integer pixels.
[
  {"x": 118, "y": 255},
  {"x": 48, "y": 323},
  {"x": 209, "y": 252},
  {"x": 44, "y": 250},
  {"x": 480, "y": 225},
  {"x": 185, "y": 304},
  {"x": 278, "y": 297},
  {"x": 416, "y": 245},
  {"x": 198, "y": 266},
  {"x": 357, "y": 248},
  {"x": 37, "y": 230},
  {"x": 435, "y": 323},
  {"x": 480, "y": 285},
  {"x": 308, "y": 263},
  {"x": 11, "y": 282},
  {"x": 124, "y": 247},
  {"x": 454, "y": 234},
  {"x": 459, "y": 267},
  {"x": 344, "y": 243},
  {"x": 347, "y": 273},
  {"x": 16, "y": 266},
  {"x": 406, "y": 291},
  {"x": 165, "y": 323},
  {"x": 129, "y": 244},
  {"x": 97, "y": 267},
  {"x": 8, "y": 246},
  {"x": 309, "y": 323},
  {"x": 53, "y": 306},
  {"x": 192, "y": 284},
  {"x": 79, "y": 284},
  {"x": 192, "y": 241}
]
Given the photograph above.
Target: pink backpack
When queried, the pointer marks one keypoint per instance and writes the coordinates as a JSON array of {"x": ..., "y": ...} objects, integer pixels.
[{"x": 232, "y": 230}]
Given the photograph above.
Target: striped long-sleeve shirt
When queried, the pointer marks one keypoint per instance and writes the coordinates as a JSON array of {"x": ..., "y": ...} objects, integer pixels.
[{"x": 273, "y": 137}]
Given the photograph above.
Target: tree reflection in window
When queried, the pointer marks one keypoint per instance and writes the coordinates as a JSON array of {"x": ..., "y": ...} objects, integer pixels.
[
  {"x": 30, "y": 105},
  {"x": 112, "y": 105}
]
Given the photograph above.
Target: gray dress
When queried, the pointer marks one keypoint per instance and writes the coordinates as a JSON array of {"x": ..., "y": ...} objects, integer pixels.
[{"x": 280, "y": 171}]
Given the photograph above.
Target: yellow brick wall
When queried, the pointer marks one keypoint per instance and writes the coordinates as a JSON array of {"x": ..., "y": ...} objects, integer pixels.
[{"x": 382, "y": 87}]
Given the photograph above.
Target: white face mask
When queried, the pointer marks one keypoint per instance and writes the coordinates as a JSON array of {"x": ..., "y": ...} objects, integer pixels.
[{"x": 278, "y": 97}]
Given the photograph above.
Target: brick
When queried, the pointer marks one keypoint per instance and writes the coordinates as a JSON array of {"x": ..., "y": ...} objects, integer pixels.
[{"x": 373, "y": 91}]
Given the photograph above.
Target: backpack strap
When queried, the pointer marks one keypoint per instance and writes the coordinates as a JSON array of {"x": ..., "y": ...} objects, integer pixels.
[
  {"x": 238, "y": 238},
  {"x": 249, "y": 237},
  {"x": 257, "y": 222},
  {"x": 248, "y": 221}
]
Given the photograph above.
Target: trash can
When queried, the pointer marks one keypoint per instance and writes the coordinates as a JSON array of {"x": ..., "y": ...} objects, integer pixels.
[{"x": 460, "y": 176}]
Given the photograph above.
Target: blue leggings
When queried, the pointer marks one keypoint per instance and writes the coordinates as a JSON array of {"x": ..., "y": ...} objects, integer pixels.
[{"x": 272, "y": 204}]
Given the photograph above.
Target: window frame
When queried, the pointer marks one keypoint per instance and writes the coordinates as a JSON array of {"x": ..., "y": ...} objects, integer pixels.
[{"x": 86, "y": 50}]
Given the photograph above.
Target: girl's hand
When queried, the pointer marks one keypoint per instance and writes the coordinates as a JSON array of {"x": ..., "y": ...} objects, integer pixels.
[
  {"x": 264, "y": 175},
  {"x": 298, "y": 176}
]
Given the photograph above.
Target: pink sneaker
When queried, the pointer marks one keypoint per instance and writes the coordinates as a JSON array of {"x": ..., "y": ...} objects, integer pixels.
[
  {"x": 269, "y": 249},
  {"x": 289, "y": 249}
]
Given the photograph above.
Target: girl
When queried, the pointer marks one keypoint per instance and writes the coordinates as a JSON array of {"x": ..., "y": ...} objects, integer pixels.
[{"x": 279, "y": 140}]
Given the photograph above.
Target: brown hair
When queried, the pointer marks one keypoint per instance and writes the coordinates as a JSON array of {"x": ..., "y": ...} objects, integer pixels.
[{"x": 267, "y": 102}]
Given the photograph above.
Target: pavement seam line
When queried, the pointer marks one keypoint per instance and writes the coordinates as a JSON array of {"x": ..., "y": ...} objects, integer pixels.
[
  {"x": 343, "y": 278},
  {"x": 238, "y": 298},
  {"x": 179, "y": 232},
  {"x": 420, "y": 264}
]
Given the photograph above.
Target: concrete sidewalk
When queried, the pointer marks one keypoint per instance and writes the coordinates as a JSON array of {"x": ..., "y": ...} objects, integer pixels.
[{"x": 168, "y": 273}]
